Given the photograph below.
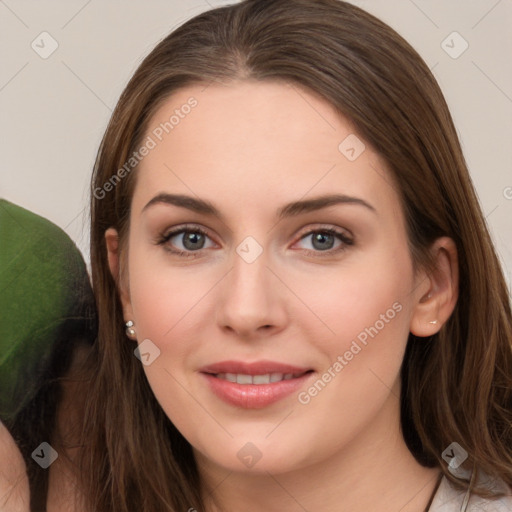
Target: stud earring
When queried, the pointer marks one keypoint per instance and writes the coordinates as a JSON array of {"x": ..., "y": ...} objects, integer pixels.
[
  {"x": 130, "y": 330},
  {"x": 433, "y": 322}
]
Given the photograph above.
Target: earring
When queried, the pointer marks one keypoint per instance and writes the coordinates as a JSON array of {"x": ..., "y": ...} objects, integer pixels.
[
  {"x": 130, "y": 330},
  {"x": 433, "y": 322}
]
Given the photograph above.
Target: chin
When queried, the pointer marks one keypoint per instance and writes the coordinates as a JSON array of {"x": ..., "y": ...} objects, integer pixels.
[{"x": 257, "y": 456}]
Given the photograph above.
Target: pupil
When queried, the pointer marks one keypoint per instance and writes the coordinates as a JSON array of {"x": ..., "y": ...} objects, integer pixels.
[
  {"x": 193, "y": 238},
  {"x": 323, "y": 238}
]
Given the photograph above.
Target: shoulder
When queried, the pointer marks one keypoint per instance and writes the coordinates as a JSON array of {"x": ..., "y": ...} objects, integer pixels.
[
  {"x": 448, "y": 499},
  {"x": 14, "y": 487}
]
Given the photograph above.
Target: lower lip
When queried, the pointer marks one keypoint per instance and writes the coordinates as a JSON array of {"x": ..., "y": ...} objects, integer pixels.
[{"x": 254, "y": 396}]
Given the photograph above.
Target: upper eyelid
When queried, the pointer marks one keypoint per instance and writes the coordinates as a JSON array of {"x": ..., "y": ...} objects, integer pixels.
[
  {"x": 326, "y": 227},
  {"x": 176, "y": 230}
]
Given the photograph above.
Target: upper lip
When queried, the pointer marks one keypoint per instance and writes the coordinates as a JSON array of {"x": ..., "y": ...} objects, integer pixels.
[{"x": 254, "y": 368}]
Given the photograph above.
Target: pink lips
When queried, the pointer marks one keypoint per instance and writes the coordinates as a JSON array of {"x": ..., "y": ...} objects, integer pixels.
[{"x": 254, "y": 395}]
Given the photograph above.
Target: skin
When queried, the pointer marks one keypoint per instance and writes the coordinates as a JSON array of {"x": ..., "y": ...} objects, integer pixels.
[
  {"x": 14, "y": 489},
  {"x": 250, "y": 148}
]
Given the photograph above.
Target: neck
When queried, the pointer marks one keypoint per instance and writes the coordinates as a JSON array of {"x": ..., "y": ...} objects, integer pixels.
[{"x": 373, "y": 471}]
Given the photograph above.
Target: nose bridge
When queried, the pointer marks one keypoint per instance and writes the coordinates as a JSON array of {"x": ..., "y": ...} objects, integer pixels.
[
  {"x": 249, "y": 300},
  {"x": 248, "y": 279}
]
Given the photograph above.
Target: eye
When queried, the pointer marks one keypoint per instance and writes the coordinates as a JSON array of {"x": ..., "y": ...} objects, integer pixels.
[
  {"x": 189, "y": 241},
  {"x": 186, "y": 240},
  {"x": 327, "y": 240}
]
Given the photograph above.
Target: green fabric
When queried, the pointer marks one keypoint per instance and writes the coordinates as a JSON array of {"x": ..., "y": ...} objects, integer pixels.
[{"x": 43, "y": 280}]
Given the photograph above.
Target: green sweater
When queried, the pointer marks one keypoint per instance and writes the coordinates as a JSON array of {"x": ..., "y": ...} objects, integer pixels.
[{"x": 45, "y": 302}]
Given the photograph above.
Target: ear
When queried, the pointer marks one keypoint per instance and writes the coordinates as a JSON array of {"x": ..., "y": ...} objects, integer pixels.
[
  {"x": 114, "y": 263},
  {"x": 436, "y": 292}
]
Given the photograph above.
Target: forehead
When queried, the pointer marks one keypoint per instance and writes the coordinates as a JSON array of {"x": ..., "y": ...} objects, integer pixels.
[
  {"x": 252, "y": 143},
  {"x": 243, "y": 115}
]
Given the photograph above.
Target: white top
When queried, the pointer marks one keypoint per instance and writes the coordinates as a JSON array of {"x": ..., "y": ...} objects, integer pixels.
[{"x": 448, "y": 499}]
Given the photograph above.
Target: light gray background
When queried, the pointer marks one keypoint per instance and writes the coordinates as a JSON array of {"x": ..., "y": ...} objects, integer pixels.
[{"x": 55, "y": 110}]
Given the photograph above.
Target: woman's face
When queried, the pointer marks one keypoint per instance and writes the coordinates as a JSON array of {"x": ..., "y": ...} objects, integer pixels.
[{"x": 267, "y": 262}]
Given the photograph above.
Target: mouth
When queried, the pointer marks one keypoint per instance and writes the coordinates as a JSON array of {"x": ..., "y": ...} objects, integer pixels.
[{"x": 254, "y": 385}]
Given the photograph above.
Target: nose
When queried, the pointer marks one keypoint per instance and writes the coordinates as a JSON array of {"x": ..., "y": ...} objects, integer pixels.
[{"x": 251, "y": 301}]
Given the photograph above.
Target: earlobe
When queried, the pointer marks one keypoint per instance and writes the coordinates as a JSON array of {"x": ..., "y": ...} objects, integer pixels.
[{"x": 438, "y": 291}]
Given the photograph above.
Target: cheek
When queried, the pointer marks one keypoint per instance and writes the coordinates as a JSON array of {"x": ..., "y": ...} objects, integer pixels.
[
  {"x": 366, "y": 298},
  {"x": 166, "y": 303},
  {"x": 360, "y": 375},
  {"x": 364, "y": 310},
  {"x": 169, "y": 307}
]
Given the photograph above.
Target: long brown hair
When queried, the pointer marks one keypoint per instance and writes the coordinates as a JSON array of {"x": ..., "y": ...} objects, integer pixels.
[{"x": 456, "y": 385}]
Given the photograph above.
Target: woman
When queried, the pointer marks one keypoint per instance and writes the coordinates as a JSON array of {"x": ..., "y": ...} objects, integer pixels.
[
  {"x": 47, "y": 329},
  {"x": 300, "y": 307}
]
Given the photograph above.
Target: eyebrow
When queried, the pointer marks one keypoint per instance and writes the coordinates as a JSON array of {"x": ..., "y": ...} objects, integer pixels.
[{"x": 292, "y": 209}]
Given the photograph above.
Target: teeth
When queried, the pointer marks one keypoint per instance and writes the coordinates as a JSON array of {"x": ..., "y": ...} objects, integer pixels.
[
  {"x": 243, "y": 379},
  {"x": 261, "y": 379},
  {"x": 267, "y": 378}
]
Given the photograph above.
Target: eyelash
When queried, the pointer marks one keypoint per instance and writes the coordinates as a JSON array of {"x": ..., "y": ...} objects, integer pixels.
[{"x": 164, "y": 238}]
